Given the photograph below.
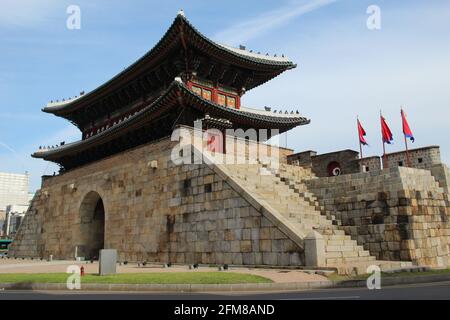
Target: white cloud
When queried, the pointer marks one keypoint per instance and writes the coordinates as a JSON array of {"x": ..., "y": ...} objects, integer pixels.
[
  {"x": 26, "y": 13},
  {"x": 242, "y": 32}
]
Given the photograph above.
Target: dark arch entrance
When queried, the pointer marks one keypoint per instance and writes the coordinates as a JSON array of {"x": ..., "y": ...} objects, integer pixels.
[
  {"x": 92, "y": 226},
  {"x": 334, "y": 169}
]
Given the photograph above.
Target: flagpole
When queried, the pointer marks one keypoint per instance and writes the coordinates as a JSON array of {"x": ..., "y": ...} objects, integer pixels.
[
  {"x": 385, "y": 164},
  {"x": 360, "y": 149},
  {"x": 408, "y": 160},
  {"x": 359, "y": 139}
]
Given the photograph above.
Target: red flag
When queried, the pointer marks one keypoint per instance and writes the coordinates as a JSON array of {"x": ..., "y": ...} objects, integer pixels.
[
  {"x": 386, "y": 132},
  {"x": 406, "y": 129},
  {"x": 362, "y": 134}
]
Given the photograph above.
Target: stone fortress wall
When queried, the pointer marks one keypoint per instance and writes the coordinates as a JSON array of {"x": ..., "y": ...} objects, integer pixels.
[
  {"x": 322, "y": 164},
  {"x": 396, "y": 214},
  {"x": 349, "y": 161},
  {"x": 178, "y": 214},
  {"x": 154, "y": 210}
]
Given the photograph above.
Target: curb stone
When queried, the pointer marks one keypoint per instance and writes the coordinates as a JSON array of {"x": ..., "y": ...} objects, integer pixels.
[{"x": 244, "y": 287}]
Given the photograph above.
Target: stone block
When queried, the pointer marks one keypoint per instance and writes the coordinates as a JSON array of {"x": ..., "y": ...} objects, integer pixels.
[
  {"x": 314, "y": 249},
  {"x": 246, "y": 246},
  {"x": 237, "y": 258},
  {"x": 265, "y": 233},
  {"x": 229, "y": 235},
  {"x": 277, "y": 245},
  {"x": 248, "y": 258},
  {"x": 235, "y": 246},
  {"x": 246, "y": 234},
  {"x": 270, "y": 258},
  {"x": 265, "y": 245}
]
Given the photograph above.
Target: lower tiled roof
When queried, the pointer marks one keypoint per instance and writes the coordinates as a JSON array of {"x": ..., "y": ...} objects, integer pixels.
[{"x": 177, "y": 92}]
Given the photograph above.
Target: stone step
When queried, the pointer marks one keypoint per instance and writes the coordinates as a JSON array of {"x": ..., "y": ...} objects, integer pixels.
[
  {"x": 327, "y": 232},
  {"x": 343, "y": 248},
  {"x": 271, "y": 188},
  {"x": 306, "y": 225},
  {"x": 358, "y": 268},
  {"x": 305, "y": 215},
  {"x": 297, "y": 208},
  {"x": 275, "y": 193},
  {"x": 349, "y": 258},
  {"x": 348, "y": 254},
  {"x": 338, "y": 236},
  {"x": 291, "y": 200},
  {"x": 347, "y": 242}
]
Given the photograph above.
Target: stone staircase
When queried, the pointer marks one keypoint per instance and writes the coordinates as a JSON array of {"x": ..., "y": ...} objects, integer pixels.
[
  {"x": 283, "y": 190},
  {"x": 294, "y": 177}
]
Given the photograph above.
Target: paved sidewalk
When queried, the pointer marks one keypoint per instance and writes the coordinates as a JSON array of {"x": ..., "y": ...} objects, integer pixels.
[{"x": 37, "y": 266}]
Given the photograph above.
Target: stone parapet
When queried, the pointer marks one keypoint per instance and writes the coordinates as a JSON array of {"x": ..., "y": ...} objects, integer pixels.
[{"x": 420, "y": 158}]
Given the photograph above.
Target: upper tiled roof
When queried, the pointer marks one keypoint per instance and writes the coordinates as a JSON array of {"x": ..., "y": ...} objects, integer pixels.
[
  {"x": 260, "y": 58},
  {"x": 249, "y": 60}
]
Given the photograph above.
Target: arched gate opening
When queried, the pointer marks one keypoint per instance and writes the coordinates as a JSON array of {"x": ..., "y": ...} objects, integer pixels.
[{"x": 92, "y": 226}]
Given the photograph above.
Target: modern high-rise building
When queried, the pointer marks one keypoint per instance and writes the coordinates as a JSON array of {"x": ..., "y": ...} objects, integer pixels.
[
  {"x": 13, "y": 189},
  {"x": 14, "y": 216}
]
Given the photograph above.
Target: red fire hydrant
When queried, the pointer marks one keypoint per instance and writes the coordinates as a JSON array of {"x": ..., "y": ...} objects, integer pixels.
[{"x": 82, "y": 271}]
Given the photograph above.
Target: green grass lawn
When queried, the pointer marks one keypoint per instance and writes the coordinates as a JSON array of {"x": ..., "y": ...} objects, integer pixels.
[
  {"x": 140, "y": 278},
  {"x": 336, "y": 277}
]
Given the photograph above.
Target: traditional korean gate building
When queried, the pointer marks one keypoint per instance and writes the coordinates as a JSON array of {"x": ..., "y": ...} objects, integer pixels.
[{"x": 119, "y": 188}]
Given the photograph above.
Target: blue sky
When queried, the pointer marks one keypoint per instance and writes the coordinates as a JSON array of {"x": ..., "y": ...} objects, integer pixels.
[{"x": 344, "y": 69}]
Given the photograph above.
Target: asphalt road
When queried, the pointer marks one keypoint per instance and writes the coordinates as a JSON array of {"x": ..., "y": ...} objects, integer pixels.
[{"x": 432, "y": 291}]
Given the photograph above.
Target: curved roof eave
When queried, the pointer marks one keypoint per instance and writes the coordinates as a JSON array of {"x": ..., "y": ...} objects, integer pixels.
[
  {"x": 251, "y": 59},
  {"x": 286, "y": 122}
]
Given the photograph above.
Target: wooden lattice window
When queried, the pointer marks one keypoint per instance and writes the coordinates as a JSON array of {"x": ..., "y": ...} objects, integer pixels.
[
  {"x": 221, "y": 99},
  {"x": 206, "y": 94},
  {"x": 231, "y": 102},
  {"x": 197, "y": 90}
]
